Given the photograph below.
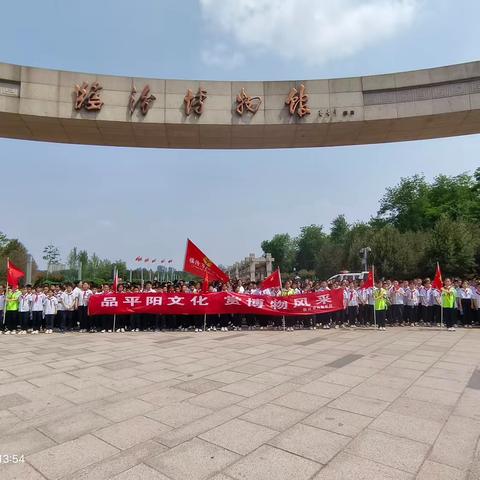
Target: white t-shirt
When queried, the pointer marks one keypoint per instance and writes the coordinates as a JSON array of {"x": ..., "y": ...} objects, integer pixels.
[
  {"x": 84, "y": 298},
  {"x": 50, "y": 305},
  {"x": 37, "y": 301},
  {"x": 68, "y": 300},
  {"x": 25, "y": 302}
]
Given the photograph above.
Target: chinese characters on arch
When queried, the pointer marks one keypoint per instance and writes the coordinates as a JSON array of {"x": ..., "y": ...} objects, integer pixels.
[
  {"x": 215, "y": 303},
  {"x": 88, "y": 97}
]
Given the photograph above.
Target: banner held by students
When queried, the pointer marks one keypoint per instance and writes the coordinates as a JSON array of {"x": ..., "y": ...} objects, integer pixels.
[{"x": 215, "y": 303}]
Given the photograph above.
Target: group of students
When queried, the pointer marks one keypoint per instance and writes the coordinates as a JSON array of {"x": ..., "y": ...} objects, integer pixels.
[{"x": 65, "y": 307}]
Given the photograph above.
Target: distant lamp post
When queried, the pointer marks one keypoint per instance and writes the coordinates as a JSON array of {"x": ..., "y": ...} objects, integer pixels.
[{"x": 364, "y": 253}]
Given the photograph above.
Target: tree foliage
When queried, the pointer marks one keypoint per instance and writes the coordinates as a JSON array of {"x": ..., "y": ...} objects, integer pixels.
[{"x": 418, "y": 223}]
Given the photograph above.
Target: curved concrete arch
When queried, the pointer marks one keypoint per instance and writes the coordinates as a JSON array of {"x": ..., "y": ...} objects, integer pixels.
[{"x": 38, "y": 104}]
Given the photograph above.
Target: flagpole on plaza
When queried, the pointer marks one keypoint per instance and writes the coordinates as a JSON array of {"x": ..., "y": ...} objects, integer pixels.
[
  {"x": 6, "y": 296},
  {"x": 115, "y": 280},
  {"x": 373, "y": 294}
]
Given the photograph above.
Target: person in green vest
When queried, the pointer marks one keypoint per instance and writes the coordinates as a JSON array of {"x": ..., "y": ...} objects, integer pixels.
[
  {"x": 449, "y": 302},
  {"x": 380, "y": 295},
  {"x": 286, "y": 292},
  {"x": 11, "y": 310}
]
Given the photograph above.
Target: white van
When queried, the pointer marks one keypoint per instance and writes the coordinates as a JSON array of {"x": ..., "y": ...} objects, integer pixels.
[{"x": 348, "y": 276}]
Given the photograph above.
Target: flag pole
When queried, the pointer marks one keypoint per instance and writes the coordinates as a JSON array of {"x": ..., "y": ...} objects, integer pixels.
[
  {"x": 441, "y": 302},
  {"x": 114, "y": 315},
  {"x": 373, "y": 294},
  {"x": 6, "y": 296}
]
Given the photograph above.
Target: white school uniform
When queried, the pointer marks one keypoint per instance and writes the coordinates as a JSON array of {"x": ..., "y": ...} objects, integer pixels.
[
  {"x": 25, "y": 302},
  {"x": 412, "y": 297},
  {"x": 68, "y": 300},
  {"x": 351, "y": 297},
  {"x": 396, "y": 296},
  {"x": 84, "y": 298},
  {"x": 37, "y": 302},
  {"x": 2, "y": 301},
  {"x": 465, "y": 293},
  {"x": 50, "y": 305}
]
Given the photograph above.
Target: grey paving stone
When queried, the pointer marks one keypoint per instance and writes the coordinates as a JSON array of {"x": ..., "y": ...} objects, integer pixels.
[
  {"x": 216, "y": 399},
  {"x": 350, "y": 467},
  {"x": 343, "y": 361},
  {"x": 395, "y": 452},
  {"x": 130, "y": 432},
  {"x": 73, "y": 426},
  {"x": 12, "y": 400},
  {"x": 200, "y": 385},
  {"x": 66, "y": 458},
  {"x": 166, "y": 396},
  {"x": 420, "y": 409},
  {"x": 456, "y": 443},
  {"x": 246, "y": 388},
  {"x": 305, "y": 402},
  {"x": 415, "y": 428},
  {"x": 340, "y": 378},
  {"x": 275, "y": 417},
  {"x": 370, "y": 407},
  {"x": 324, "y": 389},
  {"x": 239, "y": 436},
  {"x": 193, "y": 460},
  {"x": 19, "y": 471},
  {"x": 338, "y": 421},
  {"x": 140, "y": 472},
  {"x": 178, "y": 414},
  {"x": 442, "y": 397},
  {"x": 268, "y": 463},
  {"x": 227, "y": 376},
  {"x": 24, "y": 442},
  {"x": 310, "y": 442},
  {"x": 438, "y": 471},
  {"x": 131, "y": 407},
  {"x": 119, "y": 463}
]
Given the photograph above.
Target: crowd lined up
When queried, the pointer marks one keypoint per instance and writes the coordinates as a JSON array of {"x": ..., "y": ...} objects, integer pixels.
[{"x": 65, "y": 307}]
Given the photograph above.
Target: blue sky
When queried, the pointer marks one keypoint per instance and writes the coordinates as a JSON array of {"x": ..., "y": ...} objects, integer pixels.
[{"x": 122, "y": 202}]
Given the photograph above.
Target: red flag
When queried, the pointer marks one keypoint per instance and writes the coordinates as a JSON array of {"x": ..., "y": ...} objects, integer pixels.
[
  {"x": 14, "y": 274},
  {"x": 198, "y": 263},
  {"x": 115, "y": 280},
  {"x": 368, "y": 283},
  {"x": 206, "y": 284},
  {"x": 437, "y": 281},
  {"x": 272, "y": 281}
]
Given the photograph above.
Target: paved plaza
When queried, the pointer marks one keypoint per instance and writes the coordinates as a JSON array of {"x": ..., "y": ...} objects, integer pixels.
[{"x": 265, "y": 405}]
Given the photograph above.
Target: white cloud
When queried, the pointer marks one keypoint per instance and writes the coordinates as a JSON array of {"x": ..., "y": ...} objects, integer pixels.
[
  {"x": 312, "y": 31},
  {"x": 221, "y": 55}
]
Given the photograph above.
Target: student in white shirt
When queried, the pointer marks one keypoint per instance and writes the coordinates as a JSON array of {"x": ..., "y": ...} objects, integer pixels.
[
  {"x": 69, "y": 303},
  {"x": 396, "y": 296},
  {"x": 82, "y": 307},
  {"x": 50, "y": 303},
  {"x": 24, "y": 310},
  {"x": 412, "y": 300},
  {"x": 352, "y": 301},
  {"x": 2, "y": 303},
  {"x": 37, "y": 309},
  {"x": 464, "y": 296}
]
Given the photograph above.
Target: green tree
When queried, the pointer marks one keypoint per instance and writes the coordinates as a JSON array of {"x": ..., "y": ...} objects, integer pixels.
[
  {"x": 453, "y": 246},
  {"x": 310, "y": 242},
  {"x": 340, "y": 229},
  {"x": 283, "y": 249}
]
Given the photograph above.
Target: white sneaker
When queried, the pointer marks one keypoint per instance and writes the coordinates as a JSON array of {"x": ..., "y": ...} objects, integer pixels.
[
  {"x": 109, "y": 331},
  {"x": 35, "y": 332},
  {"x": 103, "y": 331},
  {"x": 14, "y": 332},
  {"x": 7, "y": 332}
]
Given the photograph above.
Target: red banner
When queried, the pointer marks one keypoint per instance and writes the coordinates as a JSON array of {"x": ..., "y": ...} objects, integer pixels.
[
  {"x": 198, "y": 263},
  {"x": 215, "y": 303}
]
